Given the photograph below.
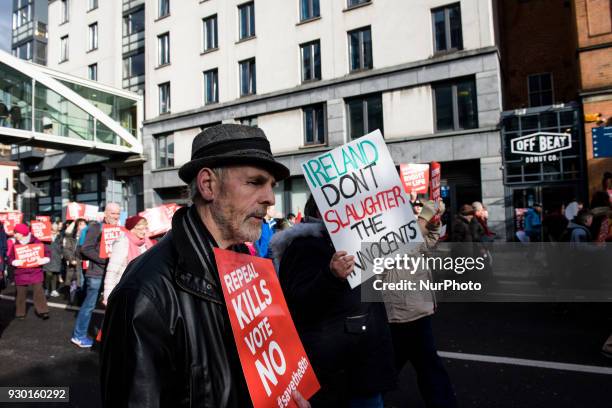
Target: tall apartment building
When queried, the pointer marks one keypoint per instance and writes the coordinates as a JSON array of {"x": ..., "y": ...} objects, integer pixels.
[
  {"x": 29, "y": 37},
  {"x": 594, "y": 31},
  {"x": 315, "y": 74}
]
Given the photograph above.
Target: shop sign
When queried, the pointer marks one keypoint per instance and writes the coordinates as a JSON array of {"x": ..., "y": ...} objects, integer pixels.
[{"x": 541, "y": 146}]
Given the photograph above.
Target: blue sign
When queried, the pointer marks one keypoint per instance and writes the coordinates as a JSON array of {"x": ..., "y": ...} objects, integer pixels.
[{"x": 602, "y": 141}]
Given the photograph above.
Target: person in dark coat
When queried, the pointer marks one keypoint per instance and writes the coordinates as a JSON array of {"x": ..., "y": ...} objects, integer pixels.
[
  {"x": 167, "y": 339},
  {"x": 347, "y": 341},
  {"x": 72, "y": 257},
  {"x": 54, "y": 267}
]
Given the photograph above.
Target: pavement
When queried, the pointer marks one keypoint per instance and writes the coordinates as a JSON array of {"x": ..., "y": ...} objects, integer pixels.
[{"x": 496, "y": 354}]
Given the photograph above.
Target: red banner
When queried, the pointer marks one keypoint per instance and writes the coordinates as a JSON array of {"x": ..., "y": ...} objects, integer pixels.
[
  {"x": 30, "y": 254},
  {"x": 41, "y": 230},
  {"x": 272, "y": 356},
  {"x": 77, "y": 210},
  {"x": 110, "y": 234},
  {"x": 44, "y": 218},
  {"x": 159, "y": 218},
  {"x": 415, "y": 177},
  {"x": 434, "y": 181},
  {"x": 10, "y": 219}
]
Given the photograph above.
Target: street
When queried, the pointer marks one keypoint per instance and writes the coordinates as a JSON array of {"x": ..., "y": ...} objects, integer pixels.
[{"x": 497, "y": 355}]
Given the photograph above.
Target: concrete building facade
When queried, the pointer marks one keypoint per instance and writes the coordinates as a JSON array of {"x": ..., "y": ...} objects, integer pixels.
[{"x": 427, "y": 75}]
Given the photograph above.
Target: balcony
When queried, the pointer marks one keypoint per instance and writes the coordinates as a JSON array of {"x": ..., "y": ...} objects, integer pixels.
[
  {"x": 133, "y": 42},
  {"x": 23, "y": 32}
]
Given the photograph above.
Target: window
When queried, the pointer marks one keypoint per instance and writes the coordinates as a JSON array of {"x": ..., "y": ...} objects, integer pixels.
[
  {"x": 133, "y": 65},
  {"x": 133, "y": 22},
  {"x": 311, "y": 61},
  {"x": 447, "y": 28},
  {"x": 456, "y": 105},
  {"x": 246, "y": 15},
  {"x": 163, "y": 49},
  {"x": 250, "y": 121},
  {"x": 93, "y": 36},
  {"x": 64, "y": 49},
  {"x": 24, "y": 51},
  {"x": 65, "y": 10},
  {"x": 360, "y": 49},
  {"x": 540, "y": 89},
  {"x": 314, "y": 125},
  {"x": 93, "y": 4},
  {"x": 92, "y": 72},
  {"x": 309, "y": 9},
  {"x": 211, "y": 86},
  {"x": 164, "y": 146},
  {"x": 164, "y": 97},
  {"x": 365, "y": 114},
  {"x": 353, "y": 3},
  {"x": 164, "y": 8},
  {"x": 23, "y": 14},
  {"x": 209, "y": 33},
  {"x": 247, "y": 77}
]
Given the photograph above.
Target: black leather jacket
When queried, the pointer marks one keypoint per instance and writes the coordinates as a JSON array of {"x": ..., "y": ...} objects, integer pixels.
[{"x": 167, "y": 339}]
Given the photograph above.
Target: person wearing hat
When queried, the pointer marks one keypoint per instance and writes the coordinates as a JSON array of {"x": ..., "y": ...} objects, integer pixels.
[
  {"x": 167, "y": 335},
  {"x": 127, "y": 248},
  {"x": 28, "y": 276},
  {"x": 410, "y": 312}
]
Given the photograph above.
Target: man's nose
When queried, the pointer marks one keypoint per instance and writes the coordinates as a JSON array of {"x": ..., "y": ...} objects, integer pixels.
[{"x": 268, "y": 196}]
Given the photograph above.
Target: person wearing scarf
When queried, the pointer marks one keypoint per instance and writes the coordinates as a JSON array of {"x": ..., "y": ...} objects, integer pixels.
[
  {"x": 28, "y": 276},
  {"x": 130, "y": 246}
]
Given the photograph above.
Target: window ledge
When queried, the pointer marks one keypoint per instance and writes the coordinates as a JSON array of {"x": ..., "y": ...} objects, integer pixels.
[
  {"x": 310, "y": 81},
  {"x": 92, "y": 50},
  {"x": 446, "y": 52},
  {"x": 246, "y": 39},
  {"x": 93, "y": 9},
  {"x": 63, "y": 23},
  {"x": 161, "y": 17},
  {"x": 356, "y": 6},
  {"x": 158, "y": 170},
  {"x": 163, "y": 65},
  {"x": 311, "y": 146},
  {"x": 308, "y": 20},
  {"x": 165, "y": 113},
  {"x": 62, "y": 61},
  {"x": 209, "y": 51},
  {"x": 357, "y": 71},
  {"x": 211, "y": 103},
  {"x": 247, "y": 95}
]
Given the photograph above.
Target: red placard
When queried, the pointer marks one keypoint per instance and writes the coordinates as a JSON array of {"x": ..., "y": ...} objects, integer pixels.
[
  {"x": 415, "y": 177},
  {"x": 41, "y": 230},
  {"x": 434, "y": 182},
  {"x": 30, "y": 254},
  {"x": 10, "y": 219},
  {"x": 110, "y": 234},
  {"x": 44, "y": 218},
  {"x": 272, "y": 356},
  {"x": 159, "y": 218}
]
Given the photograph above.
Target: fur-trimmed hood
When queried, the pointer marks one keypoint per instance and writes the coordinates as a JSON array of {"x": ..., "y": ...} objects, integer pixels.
[{"x": 310, "y": 227}]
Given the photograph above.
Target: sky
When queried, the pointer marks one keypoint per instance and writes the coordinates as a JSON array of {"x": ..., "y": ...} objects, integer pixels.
[{"x": 5, "y": 24}]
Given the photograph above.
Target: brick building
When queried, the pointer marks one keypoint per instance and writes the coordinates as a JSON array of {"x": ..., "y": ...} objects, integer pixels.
[{"x": 594, "y": 33}]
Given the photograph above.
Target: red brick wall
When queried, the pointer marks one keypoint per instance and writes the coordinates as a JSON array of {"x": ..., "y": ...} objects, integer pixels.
[
  {"x": 537, "y": 37},
  {"x": 596, "y": 68},
  {"x": 593, "y": 22}
]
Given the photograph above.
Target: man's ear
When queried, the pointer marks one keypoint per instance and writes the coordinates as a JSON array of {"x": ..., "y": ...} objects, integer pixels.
[{"x": 206, "y": 181}]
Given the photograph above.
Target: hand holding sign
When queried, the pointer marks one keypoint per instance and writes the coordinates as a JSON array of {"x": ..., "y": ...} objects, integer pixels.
[{"x": 342, "y": 265}]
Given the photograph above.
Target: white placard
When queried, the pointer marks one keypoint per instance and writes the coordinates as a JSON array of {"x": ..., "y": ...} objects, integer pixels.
[{"x": 362, "y": 201}]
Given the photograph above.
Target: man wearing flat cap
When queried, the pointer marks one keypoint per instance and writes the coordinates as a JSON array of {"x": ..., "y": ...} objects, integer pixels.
[{"x": 167, "y": 338}]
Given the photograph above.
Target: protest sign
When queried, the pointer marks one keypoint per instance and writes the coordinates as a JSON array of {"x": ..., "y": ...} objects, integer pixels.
[
  {"x": 44, "y": 218},
  {"x": 77, "y": 210},
  {"x": 415, "y": 177},
  {"x": 30, "y": 254},
  {"x": 9, "y": 219},
  {"x": 361, "y": 199},
  {"x": 159, "y": 218},
  {"x": 271, "y": 354},
  {"x": 110, "y": 234},
  {"x": 434, "y": 181},
  {"x": 41, "y": 230}
]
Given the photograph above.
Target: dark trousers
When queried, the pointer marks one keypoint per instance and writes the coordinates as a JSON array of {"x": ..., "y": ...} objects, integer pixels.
[
  {"x": 40, "y": 302},
  {"x": 414, "y": 341}
]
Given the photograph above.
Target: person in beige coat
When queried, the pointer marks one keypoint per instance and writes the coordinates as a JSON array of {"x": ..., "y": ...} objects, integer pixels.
[{"x": 409, "y": 313}]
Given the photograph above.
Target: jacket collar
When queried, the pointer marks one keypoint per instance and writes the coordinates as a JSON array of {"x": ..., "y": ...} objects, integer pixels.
[{"x": 196, "y": 270}]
